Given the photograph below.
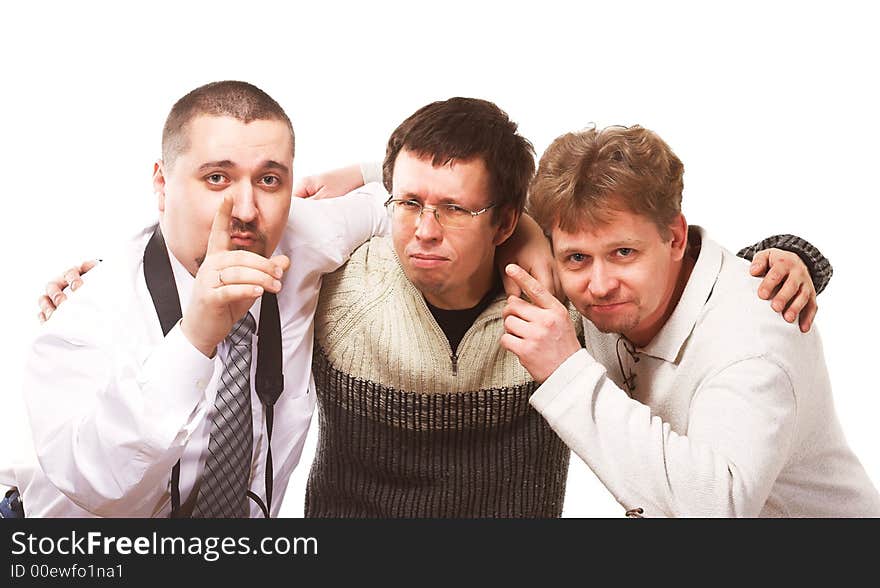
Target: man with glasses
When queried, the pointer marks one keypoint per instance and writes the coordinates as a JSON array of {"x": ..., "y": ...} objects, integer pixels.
[{"x": 422, "y": 413}]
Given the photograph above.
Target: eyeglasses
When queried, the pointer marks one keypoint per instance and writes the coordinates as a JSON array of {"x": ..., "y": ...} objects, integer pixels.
[{"x": 449, "y": 216}]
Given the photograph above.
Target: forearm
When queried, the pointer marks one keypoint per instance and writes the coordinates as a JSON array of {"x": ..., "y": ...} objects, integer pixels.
[
  {"x": 329, "y": 230},
  {"x": 371, "y": 171},
  {"x": 643, "y": 463},
  {"x": 107, "y": 429}
]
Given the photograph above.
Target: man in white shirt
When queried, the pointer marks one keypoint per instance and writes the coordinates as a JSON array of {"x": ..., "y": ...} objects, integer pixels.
[
  {"x": 113, "y": 404},
  {"x": 690, "y": 397}
]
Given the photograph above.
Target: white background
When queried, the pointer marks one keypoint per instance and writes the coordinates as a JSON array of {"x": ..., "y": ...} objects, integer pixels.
[{"x": 773, "y": 107}]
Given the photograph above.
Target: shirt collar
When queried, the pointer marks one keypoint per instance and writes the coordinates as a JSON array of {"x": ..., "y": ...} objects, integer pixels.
[{"x": 667, "y": 344}]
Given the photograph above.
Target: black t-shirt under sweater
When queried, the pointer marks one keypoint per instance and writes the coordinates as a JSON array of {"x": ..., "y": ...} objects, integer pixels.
[{"x": 455, "y": 323}]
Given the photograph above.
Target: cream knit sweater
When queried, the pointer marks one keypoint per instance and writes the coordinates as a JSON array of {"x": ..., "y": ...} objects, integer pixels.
[{"x": 407, "y": 429}]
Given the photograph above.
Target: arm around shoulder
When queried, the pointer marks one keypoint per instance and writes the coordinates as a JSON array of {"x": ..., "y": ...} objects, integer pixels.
[
  {"x": 333, "y": 228},
  {"x": 818, "y": 265}
]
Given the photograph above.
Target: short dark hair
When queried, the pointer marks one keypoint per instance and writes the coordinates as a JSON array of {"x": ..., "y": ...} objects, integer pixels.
[
  {"x": 583, "y": 176},
  {"x": 240, "y": 100},
  {"x": 461, "y": 129}
]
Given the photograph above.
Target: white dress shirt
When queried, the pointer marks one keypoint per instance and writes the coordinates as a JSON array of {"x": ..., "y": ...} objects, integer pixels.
[
  {"x": 731, "y": 414},
  {"x": 113, "y": 404}
]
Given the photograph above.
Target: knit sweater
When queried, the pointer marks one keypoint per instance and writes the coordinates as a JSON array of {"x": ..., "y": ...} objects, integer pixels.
[{"x": 407, "y": 428}]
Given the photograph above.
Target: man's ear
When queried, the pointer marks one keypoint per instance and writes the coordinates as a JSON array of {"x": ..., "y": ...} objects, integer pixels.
[
  {"x": 509, "y": 218},
  {"x": 159, "y": 183},
  {"x": 679, "y": 230}
]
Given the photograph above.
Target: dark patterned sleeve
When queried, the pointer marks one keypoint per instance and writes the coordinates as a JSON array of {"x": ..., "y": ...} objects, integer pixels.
[{"x": 819, "y": 267}]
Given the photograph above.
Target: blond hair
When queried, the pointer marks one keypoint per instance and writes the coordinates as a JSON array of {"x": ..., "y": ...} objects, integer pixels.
[{"x": 584, "y": 176}]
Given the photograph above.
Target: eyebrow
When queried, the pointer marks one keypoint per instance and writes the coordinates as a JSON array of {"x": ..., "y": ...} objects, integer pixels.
[
  {"x": 227, "y": 164},
  {"x": 420, "y": 198},
  {"x": 276, "y": 166},
  {"x": 625, "y": 243}
]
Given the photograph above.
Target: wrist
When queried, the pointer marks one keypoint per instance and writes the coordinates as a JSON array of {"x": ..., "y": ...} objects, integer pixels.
[{"x": 206, "y": 348}]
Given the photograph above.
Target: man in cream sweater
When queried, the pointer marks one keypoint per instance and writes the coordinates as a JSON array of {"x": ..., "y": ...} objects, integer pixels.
[{"x": 690, "y": 398}]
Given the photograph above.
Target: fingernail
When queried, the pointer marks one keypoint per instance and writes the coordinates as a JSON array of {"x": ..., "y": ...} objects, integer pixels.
[
  {"x": 48, "y": 313},
  {"x": 278, "y": 273},
  {"x": 777, "y": 307},
  {"x": 276, "y": 284},
  {"x": 56, "y": 298}
]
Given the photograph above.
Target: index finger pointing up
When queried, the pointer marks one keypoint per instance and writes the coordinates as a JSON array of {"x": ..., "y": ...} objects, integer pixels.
[
  {"x": 218, "y": 240},
  {"x": 537, "y": 293}
]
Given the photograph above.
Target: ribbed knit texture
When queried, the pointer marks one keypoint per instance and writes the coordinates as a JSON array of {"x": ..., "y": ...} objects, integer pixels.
[
  {"x": 818, "y": 265},
  {"x": 408, "y": 431},
  {"x": 388, "y": 453}
]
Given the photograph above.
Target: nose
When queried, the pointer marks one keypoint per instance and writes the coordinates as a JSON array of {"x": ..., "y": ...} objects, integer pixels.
[
  {"x": 602, "y": 280},
  {"x": 427, "y": 227},
  {"x": 244, "y": 206}
]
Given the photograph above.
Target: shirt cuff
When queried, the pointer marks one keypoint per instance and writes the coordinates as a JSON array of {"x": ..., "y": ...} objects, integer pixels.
[
  {"x": 175, "y": 379},
  {"x": 580, "y": 369}
]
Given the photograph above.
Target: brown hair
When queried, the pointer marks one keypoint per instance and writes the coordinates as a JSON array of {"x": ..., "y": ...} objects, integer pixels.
[
  {"x": 462, "y": 129},
  {"x": 240, "y": 100},
  {"x": 584, "y": 176}
]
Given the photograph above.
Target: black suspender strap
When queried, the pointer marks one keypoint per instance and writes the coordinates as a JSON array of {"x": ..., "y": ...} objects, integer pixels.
[
  {"x": 269, "y": 381},
  {"x": 270, "y": 376},
  {"x": 163, "y": 291},
  {"x": 160, "y": 282}
]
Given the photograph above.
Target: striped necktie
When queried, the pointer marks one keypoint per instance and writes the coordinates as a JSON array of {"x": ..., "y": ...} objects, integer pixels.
[{"x": 223, "y": 492}]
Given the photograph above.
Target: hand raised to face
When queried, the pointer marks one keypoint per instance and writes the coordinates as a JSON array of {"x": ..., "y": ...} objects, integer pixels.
[
  {"x": 227, "y": 284},
  {"x": 539, "y": 332}
]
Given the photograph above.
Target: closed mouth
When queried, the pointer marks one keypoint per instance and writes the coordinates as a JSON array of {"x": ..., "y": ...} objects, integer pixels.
[{"x": 606, "y": 307}]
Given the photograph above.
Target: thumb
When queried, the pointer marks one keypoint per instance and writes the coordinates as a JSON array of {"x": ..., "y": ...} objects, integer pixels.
[
  {"x": 281, "y": 261},
  {"x": 510, "y": 286},
  {"x": 218, "y": 240}
]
